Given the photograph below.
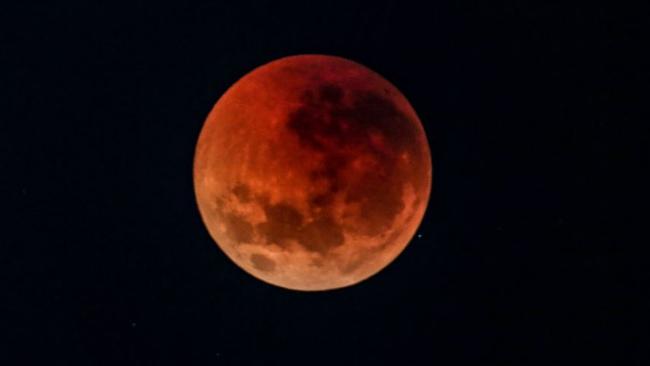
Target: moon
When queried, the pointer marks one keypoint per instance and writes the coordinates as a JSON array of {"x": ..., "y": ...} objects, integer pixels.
[{"x": 312, "y": 172}]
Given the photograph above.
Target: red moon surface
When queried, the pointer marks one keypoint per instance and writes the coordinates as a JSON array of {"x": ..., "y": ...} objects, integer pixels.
[{"x": 312, "y": 172}]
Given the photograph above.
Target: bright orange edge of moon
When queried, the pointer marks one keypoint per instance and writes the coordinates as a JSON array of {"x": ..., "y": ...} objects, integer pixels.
[{"x": 312, "y": 172}]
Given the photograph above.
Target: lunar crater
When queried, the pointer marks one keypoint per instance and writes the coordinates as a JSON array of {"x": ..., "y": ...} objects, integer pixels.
[{"x": 262, "y": 262}]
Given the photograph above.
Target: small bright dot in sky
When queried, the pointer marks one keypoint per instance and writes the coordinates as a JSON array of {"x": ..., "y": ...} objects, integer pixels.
[{"x": 419, "y": 236}]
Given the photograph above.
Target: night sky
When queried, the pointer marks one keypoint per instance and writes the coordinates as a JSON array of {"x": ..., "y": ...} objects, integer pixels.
[{"x": 529, "y": 252}]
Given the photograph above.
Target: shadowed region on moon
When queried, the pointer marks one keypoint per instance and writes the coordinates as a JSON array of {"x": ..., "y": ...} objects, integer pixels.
[
  {"x": 317, "y": 172},
  {"x": 283, "y": 222},
  {"x": 238, "y": 228},
  {"x": 343, "y": 132},
  {"x": 262, "y": 263},
  {"x": 242, "y": 192}
]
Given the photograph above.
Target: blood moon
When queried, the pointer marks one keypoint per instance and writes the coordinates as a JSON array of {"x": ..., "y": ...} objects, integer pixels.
[{"x": 312, "y": 172}]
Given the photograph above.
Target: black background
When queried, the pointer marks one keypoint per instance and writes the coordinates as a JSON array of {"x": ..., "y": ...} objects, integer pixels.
[{"x": 530, "y": 251}]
